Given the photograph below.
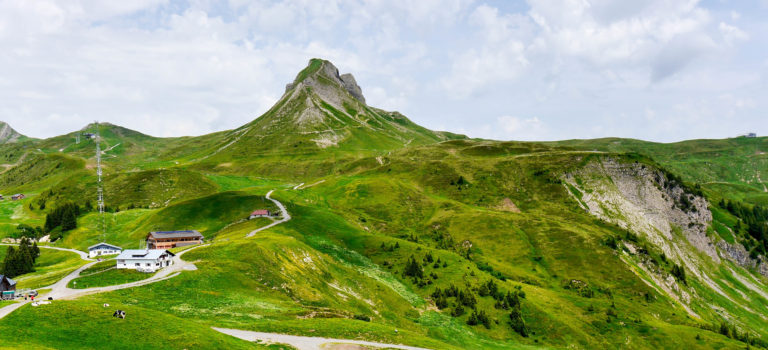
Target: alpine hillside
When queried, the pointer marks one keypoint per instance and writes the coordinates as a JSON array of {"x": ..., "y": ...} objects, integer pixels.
[{"x": 389, "y": 232}]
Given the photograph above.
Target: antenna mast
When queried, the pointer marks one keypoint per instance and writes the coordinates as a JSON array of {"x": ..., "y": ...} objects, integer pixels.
[{"x": 100, "y": 189}]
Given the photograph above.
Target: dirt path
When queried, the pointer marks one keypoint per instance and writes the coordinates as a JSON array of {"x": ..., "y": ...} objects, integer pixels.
[
  {"x": 59, "y": 290},
  {"x": 305, "y": 343},
  {"x": 283, "y": 212}
]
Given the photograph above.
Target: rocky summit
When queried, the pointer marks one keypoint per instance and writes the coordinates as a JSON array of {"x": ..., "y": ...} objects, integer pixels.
[{"x": 8, "y": 135}]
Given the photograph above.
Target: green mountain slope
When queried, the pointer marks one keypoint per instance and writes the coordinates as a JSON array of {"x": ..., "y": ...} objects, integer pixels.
[
  {"x": 735, "y": 168},
  {"x": 8, "y": 135},
  {"x": 408, "y": 236}
]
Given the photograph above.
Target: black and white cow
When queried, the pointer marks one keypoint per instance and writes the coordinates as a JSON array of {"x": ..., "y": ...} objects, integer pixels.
[{"x": 119, "y": 314}]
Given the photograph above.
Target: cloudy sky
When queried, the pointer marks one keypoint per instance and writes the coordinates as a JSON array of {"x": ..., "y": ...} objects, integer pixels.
[{"x": 662, "y": 70}]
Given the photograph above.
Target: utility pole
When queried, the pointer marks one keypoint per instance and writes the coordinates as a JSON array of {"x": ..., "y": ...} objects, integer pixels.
[{"x": 99, "y": 185}]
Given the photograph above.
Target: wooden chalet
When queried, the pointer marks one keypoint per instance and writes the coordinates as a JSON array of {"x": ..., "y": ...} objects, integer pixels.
[
  {"x": 172, "y": 239},
  {"x": 7, "y": 284}
]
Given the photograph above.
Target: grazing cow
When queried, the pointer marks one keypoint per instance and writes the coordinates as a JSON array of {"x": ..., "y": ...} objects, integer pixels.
[{"x": 119, "y": 314}]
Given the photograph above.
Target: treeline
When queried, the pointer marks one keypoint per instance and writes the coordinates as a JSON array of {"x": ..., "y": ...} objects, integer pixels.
[
  {"x": 754, "y": 222},
  {"x": 732, "y": 332},
  {"x": 61, "y": 219},
  {"x": 22, "y": 260}
]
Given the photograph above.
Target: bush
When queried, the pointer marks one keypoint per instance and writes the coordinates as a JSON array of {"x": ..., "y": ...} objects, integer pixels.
[
  {"x": 363, "y": 318},
  {"x": 679, "y": 273},
  {"x": 458, "y": 310}
]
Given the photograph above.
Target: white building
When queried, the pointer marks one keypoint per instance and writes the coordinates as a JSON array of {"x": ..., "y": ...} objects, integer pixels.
[
  {"x": 103, "y": 249},
  {"x": 147, "y": 260}
]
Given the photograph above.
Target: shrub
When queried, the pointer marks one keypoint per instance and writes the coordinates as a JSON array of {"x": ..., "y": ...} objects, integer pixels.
[{"x": 363, "y": 318}]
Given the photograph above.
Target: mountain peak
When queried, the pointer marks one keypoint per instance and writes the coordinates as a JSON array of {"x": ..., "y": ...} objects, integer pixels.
[
  {"x": 7, "y": 134},
  {"x": 321, "y": 74}
]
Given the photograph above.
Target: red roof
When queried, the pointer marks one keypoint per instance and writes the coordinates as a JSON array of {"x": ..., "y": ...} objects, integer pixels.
[{"x": 260, "y": 212}]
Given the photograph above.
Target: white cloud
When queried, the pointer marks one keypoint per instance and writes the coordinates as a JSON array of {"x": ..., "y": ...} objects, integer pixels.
[
  {"x": 587, "y": 68},
  {"x": 501, "y": 56},
  {"x": 732, "y": 34},
  {"x": 516, "y": 128}
]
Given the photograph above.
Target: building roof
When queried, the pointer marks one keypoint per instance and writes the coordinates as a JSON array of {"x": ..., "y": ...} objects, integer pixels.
[
  {"x": 10, "y": 281},
  {"x": 142, "y": 254},
  {"x": 176, "y": 234},
  {"x": 106, "y": 244},
  {"x": 260, "y": 212}
]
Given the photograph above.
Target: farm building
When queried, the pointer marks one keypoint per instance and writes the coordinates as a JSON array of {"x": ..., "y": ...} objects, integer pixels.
[
  {"x": 147, "y": 260},
  {"x": 173, "y": 239},
  {"x": 18, "y": 196},
  {"x": 260, "y": 214},
  {"x": 7, "y": 284},
  {"x": 103, "y": 249}
]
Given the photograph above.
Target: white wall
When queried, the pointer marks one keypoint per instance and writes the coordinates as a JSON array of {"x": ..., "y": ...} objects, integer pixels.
[
  {"x": 97, "y": 252},
  {"x": 131, "y": 263}
]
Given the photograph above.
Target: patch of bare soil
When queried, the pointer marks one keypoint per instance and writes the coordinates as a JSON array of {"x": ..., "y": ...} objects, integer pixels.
[{"x": 507, "y": 205}]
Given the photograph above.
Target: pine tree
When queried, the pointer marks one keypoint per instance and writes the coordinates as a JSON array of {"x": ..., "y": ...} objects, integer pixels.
[
  {"x": 9, "y": 267},
  {"x": 517, "y": 322},
  {"x": 413, "y": 268},
  {"x": 458, "y": 310}
]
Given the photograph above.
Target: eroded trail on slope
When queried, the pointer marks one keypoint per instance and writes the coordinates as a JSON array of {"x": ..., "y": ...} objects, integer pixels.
[
  {"x": 283, "y": 212},
  {"x": 306, "y": 343}
]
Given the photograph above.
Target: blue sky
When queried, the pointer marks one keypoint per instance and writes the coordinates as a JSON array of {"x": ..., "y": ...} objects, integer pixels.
[{"x": 509, "y": 70}]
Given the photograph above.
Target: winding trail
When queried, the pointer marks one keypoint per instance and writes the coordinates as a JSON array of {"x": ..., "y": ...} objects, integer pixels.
[
  {"x": 305, "y": 343},
  {"x": 283, "y": 212},
  {"x": 59, "y": 290}
]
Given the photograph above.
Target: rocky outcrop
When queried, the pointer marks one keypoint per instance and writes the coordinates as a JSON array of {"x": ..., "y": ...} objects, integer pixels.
[
  {"x": 350, "y": 84},
  {"x": 739, "y": 255},
  {"x": 643, "y": 199},
  {"x": 7, "y": 134},
  {"x": 327, "y": 83}
]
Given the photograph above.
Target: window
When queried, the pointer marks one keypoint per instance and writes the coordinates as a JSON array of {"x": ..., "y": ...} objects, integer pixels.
[
  {"x": 137, "y": 264},
  {"x": 148, "y": 264}
]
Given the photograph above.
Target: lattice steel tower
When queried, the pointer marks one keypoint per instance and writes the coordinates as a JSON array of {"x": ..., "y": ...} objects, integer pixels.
[{"x": 99, "y": 185}]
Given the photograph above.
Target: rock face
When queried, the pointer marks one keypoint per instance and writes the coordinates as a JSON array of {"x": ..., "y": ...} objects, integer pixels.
[
  {"x": 7, "y": 134},
  {"x": 738, "y": 254},
  {"x": 642, "y": 199},
  {"x": 350, "y": 84},
  {"x": 325, "y": 81}
]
